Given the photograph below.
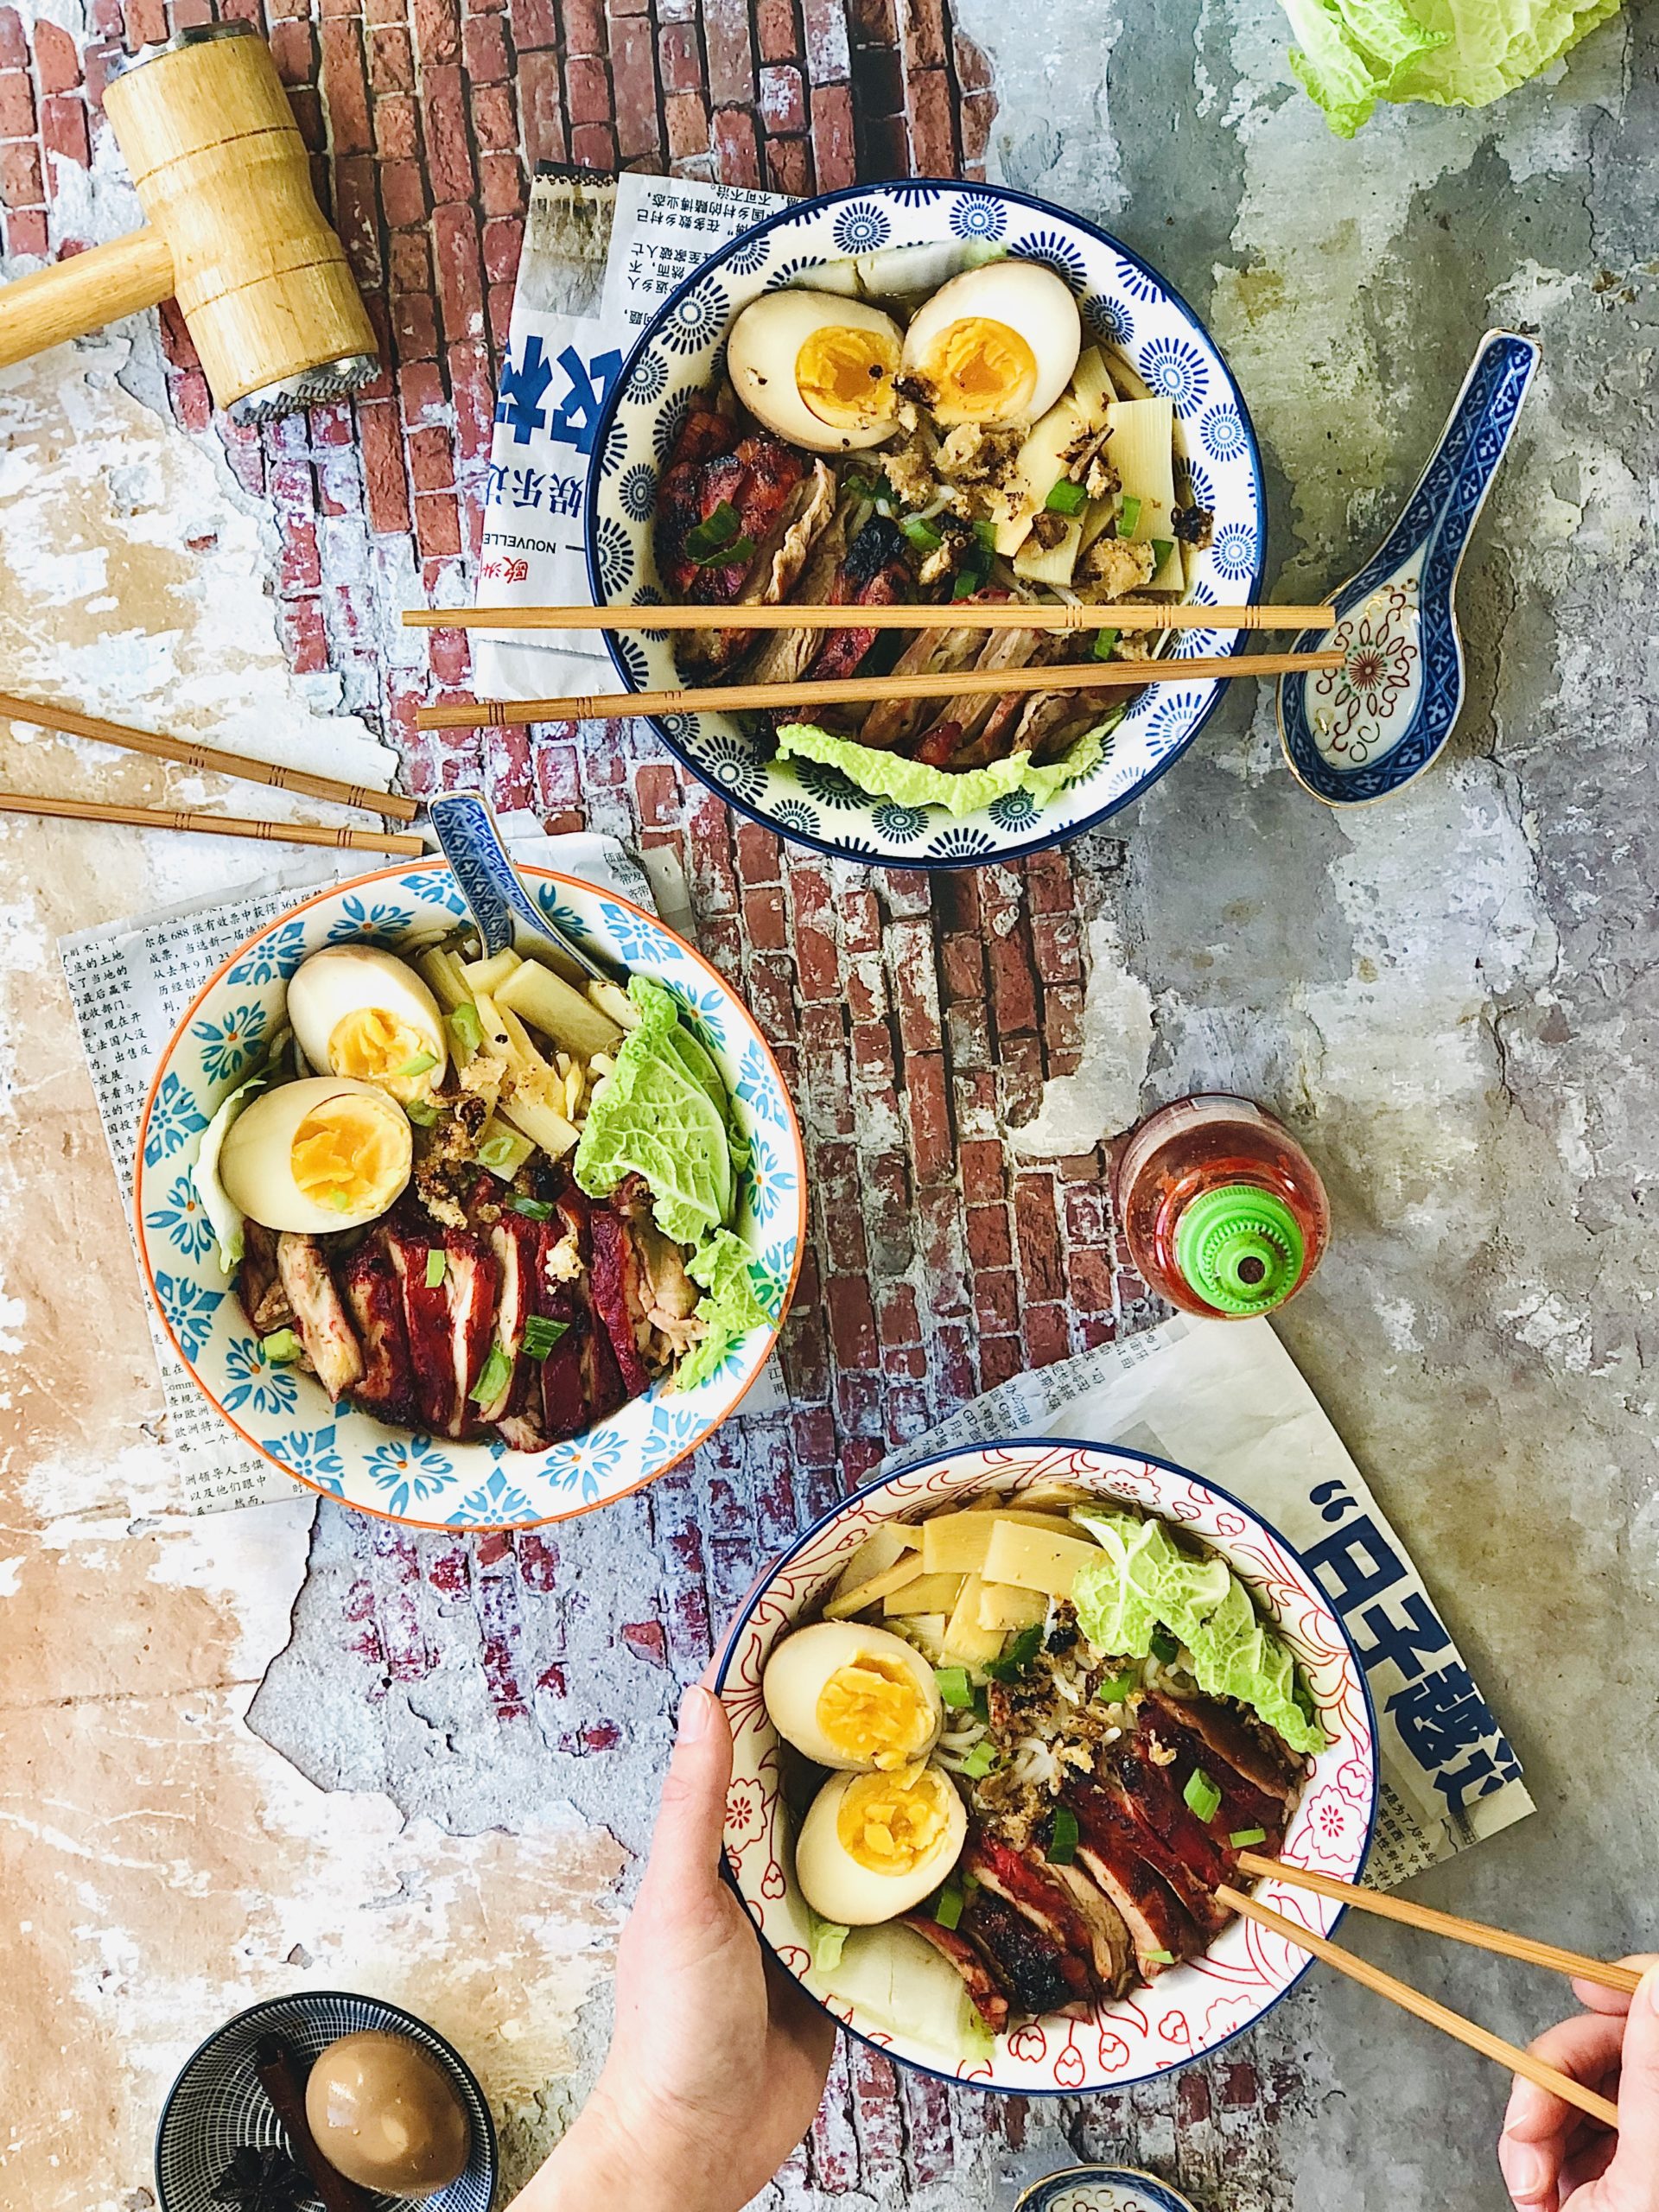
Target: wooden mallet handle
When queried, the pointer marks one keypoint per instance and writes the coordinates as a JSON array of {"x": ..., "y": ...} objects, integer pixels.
[{"x": 52, "y": 306}]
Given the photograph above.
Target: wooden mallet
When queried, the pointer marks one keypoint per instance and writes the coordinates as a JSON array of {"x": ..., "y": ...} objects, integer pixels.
[{"x": 235, "y": 234}]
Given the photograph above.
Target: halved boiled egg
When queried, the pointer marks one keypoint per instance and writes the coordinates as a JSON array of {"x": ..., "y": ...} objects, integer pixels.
[
  {"x": 851, "y": 1697},
  {"x": 996, "y": 344},
  {"x": 817, "y": 368},
  {"x": 360, "y": 1012},
  {"x": 315, "y": 1156},
  {"x": 874, "y": 1844}
]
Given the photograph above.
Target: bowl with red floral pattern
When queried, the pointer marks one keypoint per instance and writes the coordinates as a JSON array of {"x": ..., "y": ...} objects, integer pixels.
[{"x": 1220, "y": 1987}]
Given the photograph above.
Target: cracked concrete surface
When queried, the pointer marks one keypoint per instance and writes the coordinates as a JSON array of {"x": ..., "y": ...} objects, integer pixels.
[{"x": 1452, "y": 997}]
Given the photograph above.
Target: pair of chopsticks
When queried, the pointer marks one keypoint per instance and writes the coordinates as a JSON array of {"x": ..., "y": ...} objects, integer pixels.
[
  {"x": 44, "y": 715},
  {"x": 1526, "y": 1948},
  {"x": 978, "y": 683}
]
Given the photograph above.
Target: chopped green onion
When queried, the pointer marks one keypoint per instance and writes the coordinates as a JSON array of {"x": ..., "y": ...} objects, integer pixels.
[
  {"x": 1165, "y": 1650},
  {"x": 540, "y": 1335},
  {"x": 1018, "y": 1656},
  {"x": 533, "y": 1209},
  {"x": 711, "y": 539},
  {"x": 1063, "y": 1837},
  {"x": 435, "y": 1266},
  {"x": 1241, "y": 1839},
  {"x": 948, "y": 1909},
  {"x": 340, "y": 1200},
  {"x": 1116, "y": 1688},
  {"x": 741, "y": 550},
  {"x": 497, "y": 1151},
  {"x": 421, "y": 1111},
  {"x": 417, "y": 1065},
  {"x": 1066, "y": 498},
  {"x": 1105, "y": 644},
  {"x": 497, "y": 1368},
  {"x": 986, "y": 533},
  {"x": 882, "y": 491},
  {"x": 980, "y": 1760},
  {"x": 954, "y": 1687},
  {"x": 1201, "y": 1795},
  {"x": 1161, "y": 549},
  {"x": 1128, "y": 515},
  {"x": 466, "y": 1027},
  {"x": 281, "y": 1347},
  {"x": 967, "y": 583},
  {"x": 921, "y": 533},
  {"x": 982, "y": 1703},
  {"x": 859, "y": 488},
  {"x": 1162, "y": 1958}
]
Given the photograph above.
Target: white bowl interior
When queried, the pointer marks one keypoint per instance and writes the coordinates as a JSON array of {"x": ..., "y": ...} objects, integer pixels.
[
  {"x": 1124, "y": 304},
  {"x": 1192, "y": 2008},
  {"x": 434, "y": 1481}
]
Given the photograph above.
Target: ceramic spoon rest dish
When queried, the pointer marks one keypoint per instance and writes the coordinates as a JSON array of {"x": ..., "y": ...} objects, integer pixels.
[{"x": 1359, "y": 733}]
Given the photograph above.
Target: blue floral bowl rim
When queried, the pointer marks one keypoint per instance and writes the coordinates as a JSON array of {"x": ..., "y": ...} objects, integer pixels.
[
  {"x": 1167, "y": 2197},
  {"x": 487, "y": 2152},
  {"x": 648, "y": 336},
  {"x": 441, "y": 866}
]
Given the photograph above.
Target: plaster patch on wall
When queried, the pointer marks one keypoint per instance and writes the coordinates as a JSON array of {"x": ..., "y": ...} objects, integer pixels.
[{"x": 1103, "y": 1095}]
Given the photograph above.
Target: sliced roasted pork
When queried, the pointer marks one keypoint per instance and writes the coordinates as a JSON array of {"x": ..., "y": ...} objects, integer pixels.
[
  {"x": 386, "y": 1387},
  {"x": 1123, "y": 1785},
  {"x": 258, "y": 1285},
  {"x": 1040, "y": 1973},
  {"x": 324, "y": 1326},
  {"x": 778, "y": 557},
  {"x": 1108, "y": 1850},
  {"x": 1185, "y": 1734},
  {"x": 1112, "y": 1947},
  {"x": 989, "y": 1998},
  {"x": 615, "y": 1285},
  {"x": 891, "y": 723},
  {"x": 966, "y": 714},
  {"x": 1027, "y": 1884}
]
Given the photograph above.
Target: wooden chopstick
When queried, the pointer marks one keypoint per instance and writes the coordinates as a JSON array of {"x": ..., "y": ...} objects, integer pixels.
[
  {"x": 969, "y": 682},
  {"x": 1526, "y": 1948},
  {"x": 215, "y": 825},
  {"x": 186, "y": 749},
  {"x": 1019, "y": 614},
  {"x": 1425, "y": 2008}
]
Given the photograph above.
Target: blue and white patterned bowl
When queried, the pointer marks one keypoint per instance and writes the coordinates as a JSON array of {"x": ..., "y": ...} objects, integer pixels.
[
  {"x": 432, "y": 1482},
  {"x": 1125, "y": 303},
  {"x": 217, "y": 2104}
]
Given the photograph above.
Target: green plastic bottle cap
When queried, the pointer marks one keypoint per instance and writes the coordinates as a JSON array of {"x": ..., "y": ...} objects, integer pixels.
[{"x": 1240, "y": 1249}]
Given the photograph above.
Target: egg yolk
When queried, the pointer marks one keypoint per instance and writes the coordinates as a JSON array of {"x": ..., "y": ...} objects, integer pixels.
[
  {"x": 873, "y": 1708},
  {"x": 374, "y": 1046},
  {"x": 984, "y": 371},
  {"x": 347, "y": 1154},
  {"x": 890, "y": 1823},
  {"x": 845, "y": 376}
]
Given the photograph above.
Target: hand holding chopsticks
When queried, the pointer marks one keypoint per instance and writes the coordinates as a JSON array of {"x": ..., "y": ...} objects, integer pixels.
[{"x": 1523, "y": 1948}]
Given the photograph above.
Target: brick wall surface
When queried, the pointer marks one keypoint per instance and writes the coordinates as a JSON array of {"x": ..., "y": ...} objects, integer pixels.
[{"x": 915, "y": 1017}]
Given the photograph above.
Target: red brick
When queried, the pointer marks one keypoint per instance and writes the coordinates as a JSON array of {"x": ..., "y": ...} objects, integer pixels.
[
  {"x": 437, "y": 32},
  {"x": 763, "y": 916},
  {"x": 587, "y": 91},
  {"x": 1048, "y": 1335},
  {"x": 932, "y": 143},
  {"x": 973, "y": 70},
  {"x": 924, "y": 39},
  {"x": 900, "y": 1321},
  {"x": 1056, "y": 947},
  {"x": 584, "y": 27},
  {"x": 594, "y": 144},
  {"x": 391, "y": 61},
  {"x": 1039, "y": 1233},
  {"x": 494, "y": 124},
  {"x": 19, "y": 175},
  {"x": 825, "y": 25},
  {"x": 402, "y": 193},
  {"x": 431, "y": 460},
  {"x": 411, "y": 263},
  {"x": 736, "y": 152},
  {"x": 852, "y": 1322},
  {"x": 14, "y": 44},
  {"x": 535, "y": 23},
  {"x": 357, "y": 218},
  {"x": 16, "y": 105},
  {"x": 485, "y": 47},
  {"x": 633, "y": 80},
  {"x": 541, "y": 98},
  {"x": 1014, "y": 992},
  {"x": 834, "y": 154},
  {"x": 979, "y": 1161},
  {"x": 471, "y": 387},
  {"x": 973, "y": 120},
  {"x": 774, "y": 30},
  {"x": 346, "y": 85},
  {"x": 63, "y": 128},
  {"x": 502, "y": 241},
  {"x": 678, "y": 60},
  {"x": 1089, "y": 1279},
  {"x": 996, "y": 1301},
  {"x": 294, "y": 52},
  {"x": 927, "y": 1107},
  {"x": 989, "y": 1244},
  {"x": 686, "y": 120},
  {"x": 1001, "y": 1358},
  {"x": 789, "y": 166},
  {"x": 461, "y": 283},
  {"x": 731, "y": 56},
  {"x": 396, "y": 128},
  {"x": 449, "y": 157},
  {"x": 783, "y": 100},
  {"x": 26, "y": 233}
]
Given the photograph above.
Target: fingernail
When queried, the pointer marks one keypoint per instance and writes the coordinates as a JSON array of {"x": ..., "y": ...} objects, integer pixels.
[
  {"x": 1526, "y": 2171},
  {"x": 696, "y": 1714}
]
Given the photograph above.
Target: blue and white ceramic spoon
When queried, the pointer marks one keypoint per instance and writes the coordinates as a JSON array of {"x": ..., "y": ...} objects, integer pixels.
[
  {"x": 506, "y": 913},
  {"x": 1360, "y": 732}
]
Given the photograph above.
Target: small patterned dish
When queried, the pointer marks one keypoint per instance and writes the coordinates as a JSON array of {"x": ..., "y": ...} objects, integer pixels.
[
  {"x": 432, "y": 1482},
  {"x": 1103, "y": 2189},
  {"x": 217, "y": 2105},
  {"x": 1125, "y": 303},
  {"x": 1360, "y": 732},
  {"x": 1192, "y": 2009}
]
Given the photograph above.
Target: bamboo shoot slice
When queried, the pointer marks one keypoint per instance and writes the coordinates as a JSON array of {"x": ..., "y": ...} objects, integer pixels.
[
  {"x": 888, "y": 1583},
  {"x": 926, "y": 1593},
  {"x": 1033, "y": 1559},
  {"x": 1001, "y": 1606},
  {"x": 964, "y": 1638},
  {"x": 547, "y": 1003},
  {"x": 956, "y": 1543},
  {"x": 486, "y": 975}
]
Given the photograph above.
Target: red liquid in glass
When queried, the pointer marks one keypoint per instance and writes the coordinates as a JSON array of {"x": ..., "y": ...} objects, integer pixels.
[{"x": 1198, "y": 1145}]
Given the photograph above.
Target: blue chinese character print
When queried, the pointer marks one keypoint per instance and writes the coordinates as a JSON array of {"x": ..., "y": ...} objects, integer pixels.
[
  {"x": 564, "y": 495},
  {"x": 495, "y": 484},
  {"x": 528, "y": 485},
  {"x": 522, "y": 390},
  {"x": 1358, "y": 1564},
  {"x": 1440, "y": 1715},
  {"x": 1403, "y": 1644},
  {"x": 1480, "y": 1775},
  {"x": 575, "y": 421}
]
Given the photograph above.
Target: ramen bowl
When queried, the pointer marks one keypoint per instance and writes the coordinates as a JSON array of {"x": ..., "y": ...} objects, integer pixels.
[
  {"x": 1191, "y": 2009},
  {"x": 1126, "y": 306},
  {"x": 284, "y": 1413}
]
